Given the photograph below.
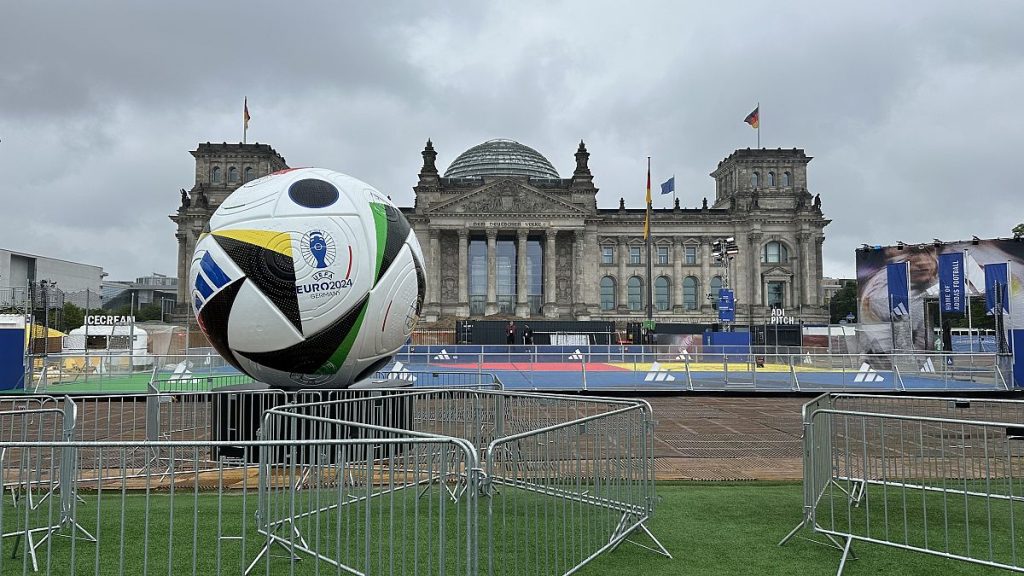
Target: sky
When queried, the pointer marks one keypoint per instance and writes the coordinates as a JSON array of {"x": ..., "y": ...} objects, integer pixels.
[{"x": 911, "y": 110}]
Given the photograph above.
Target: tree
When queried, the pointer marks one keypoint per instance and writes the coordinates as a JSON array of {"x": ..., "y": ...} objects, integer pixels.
[
  {"x": 1018, "y": 231},
  {"x": 73, "y": 317},
  {"x": 843, "y": 303},
  {"x": 148, "y": 312}
]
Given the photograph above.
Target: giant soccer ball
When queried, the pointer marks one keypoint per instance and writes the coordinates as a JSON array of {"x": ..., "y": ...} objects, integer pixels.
[{"x": 307, "y": 278}]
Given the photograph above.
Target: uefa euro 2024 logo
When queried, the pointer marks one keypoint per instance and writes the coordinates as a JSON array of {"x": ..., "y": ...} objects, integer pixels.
[{"x": 318, "y": 249}]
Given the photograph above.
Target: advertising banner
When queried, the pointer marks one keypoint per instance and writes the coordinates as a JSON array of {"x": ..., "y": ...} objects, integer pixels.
[
  {"x": 899, "y": 289},
  {"x": 875, "y": 309},
  {"x": 952, "y": 292},
  {"x": 726, "y": 305},
  {"x": 996, "y": 291}
]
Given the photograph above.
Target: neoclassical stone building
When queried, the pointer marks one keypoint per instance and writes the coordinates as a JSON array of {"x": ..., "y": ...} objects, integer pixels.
[{"x": 504, "y": 233}]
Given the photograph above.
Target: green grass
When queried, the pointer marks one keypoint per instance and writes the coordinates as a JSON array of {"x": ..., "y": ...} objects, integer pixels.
[{"x": 712, "y": 528}]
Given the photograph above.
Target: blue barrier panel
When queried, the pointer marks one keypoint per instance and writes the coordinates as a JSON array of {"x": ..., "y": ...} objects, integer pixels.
[{"x": 12, "y": 358}]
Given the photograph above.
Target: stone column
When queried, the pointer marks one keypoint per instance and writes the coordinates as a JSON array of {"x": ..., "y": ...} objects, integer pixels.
[
  {"x": 677, "y": 277},
  {"x": 464, "y": 271},
  {"x": 755, "y": 252},
  {"x": 550, "y": 270},
  {"x": 817, "y": 271},
  {"x": 434, "y": 266},
  {"x": 803, "y": 239},
  {"x": 522, "y": 288},
  {"x": 706, "y": 274},
  {"x": 579, "y": 257},
  {"x": 183, "y": 271},
  {"x": 620, "y": 281},
  {"x": 492, "y": 273}
]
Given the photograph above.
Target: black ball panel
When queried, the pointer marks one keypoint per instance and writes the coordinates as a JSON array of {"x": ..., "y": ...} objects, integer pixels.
[{"x": 313, "y": 193}]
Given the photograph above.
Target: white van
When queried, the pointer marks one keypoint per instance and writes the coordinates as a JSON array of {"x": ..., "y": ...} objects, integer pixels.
[{"x": 112, "y": 341}]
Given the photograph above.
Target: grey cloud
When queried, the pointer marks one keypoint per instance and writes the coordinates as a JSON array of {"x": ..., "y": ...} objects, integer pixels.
[{"x": 909, "y": 110}]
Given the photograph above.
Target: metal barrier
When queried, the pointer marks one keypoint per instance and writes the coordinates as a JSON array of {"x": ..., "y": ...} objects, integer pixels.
[
  {"x": 668, "y": 368},
  {"x": 397, "y": 481},
  {"x": 934, "y": 475}
]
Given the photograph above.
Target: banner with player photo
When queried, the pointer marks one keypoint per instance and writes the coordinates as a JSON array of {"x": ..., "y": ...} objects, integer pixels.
[{"x": 876, "y": 308}]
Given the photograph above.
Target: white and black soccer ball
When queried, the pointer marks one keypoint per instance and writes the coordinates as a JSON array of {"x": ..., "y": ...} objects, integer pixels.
[{"x": 307, "y": 278}]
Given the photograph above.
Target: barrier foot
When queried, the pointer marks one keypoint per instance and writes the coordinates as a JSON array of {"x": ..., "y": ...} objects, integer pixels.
[
  {"x": 660, "y": 547},
  {"x": 793, "y": 532},
  {"x": 846, "y": 553}
]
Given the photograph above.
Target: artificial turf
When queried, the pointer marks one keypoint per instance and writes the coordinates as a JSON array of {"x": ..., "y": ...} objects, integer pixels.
[{"x": 710, "y": 529}]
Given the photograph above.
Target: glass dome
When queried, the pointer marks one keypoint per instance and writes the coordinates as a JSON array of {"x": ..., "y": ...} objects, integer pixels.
[{"x": 501, "y": 158}]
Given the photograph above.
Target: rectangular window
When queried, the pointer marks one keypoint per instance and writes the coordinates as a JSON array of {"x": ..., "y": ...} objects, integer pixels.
[
  {"x": 634, "y": 255},
  {"x": 607, "y": 255},
  {"x": 662, "y": 254},
  {"x": 776, "y": 294},
  {"x": 689, "y": 255}
]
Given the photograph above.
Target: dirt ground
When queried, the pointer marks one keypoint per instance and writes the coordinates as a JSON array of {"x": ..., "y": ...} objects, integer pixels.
[{"x": 727, "y": 437}]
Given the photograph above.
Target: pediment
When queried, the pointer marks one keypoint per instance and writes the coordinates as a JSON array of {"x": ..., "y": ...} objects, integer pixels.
[
  {"x": 777, "y": 272},
  {"x": 507, "y": 197}
]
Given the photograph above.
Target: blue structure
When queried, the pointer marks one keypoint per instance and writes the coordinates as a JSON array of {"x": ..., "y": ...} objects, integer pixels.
[{"x": 12, "y": 352}]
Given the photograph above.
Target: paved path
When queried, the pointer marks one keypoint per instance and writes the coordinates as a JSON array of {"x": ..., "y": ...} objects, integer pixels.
[{"x": 727, "y": 437}]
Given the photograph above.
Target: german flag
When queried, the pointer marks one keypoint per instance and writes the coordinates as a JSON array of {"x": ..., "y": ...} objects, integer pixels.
[{"x": 754, "y": 118}]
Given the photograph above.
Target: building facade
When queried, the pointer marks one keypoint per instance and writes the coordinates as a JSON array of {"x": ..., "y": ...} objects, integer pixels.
[
  {"x": 503, "y": 233},
  {"x": 66, "y": 281}
]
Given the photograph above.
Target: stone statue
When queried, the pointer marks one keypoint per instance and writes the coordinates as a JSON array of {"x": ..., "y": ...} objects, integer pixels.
[
  {"x": 817, "y": 201},
  {"x": 754, "y": 199},
  {"x": 732, "y": 203},
  {"x": 704, "y": 206},
  {"x": 622, "y": 204},
  {"x": 677, "y": 204},
  {"x": 185, "y": 200},
  {"x": 201, "y": 199}
]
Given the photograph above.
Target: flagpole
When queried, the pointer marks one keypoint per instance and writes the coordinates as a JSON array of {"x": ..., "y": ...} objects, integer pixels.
[
  {"x": 967, "y": 294},
  {"x": 759, "y": 125},
  {"x": 650, "y": 280},
  {"x": 245, "y": 123}
]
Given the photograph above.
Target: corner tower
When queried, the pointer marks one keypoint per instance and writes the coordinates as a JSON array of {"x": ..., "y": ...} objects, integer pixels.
[{"x": 220, "y": 169}]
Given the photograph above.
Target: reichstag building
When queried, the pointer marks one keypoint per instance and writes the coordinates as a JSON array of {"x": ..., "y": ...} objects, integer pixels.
[{"x": 504, "y": 233}]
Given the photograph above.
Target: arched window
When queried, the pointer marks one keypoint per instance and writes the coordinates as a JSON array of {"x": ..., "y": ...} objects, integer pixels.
[
  {"x": 771, "y": 179},
  {"x": 755, "y": 179},
  {"x": 215, "y": 175},
  {"x": 716, "y": 285},
  {"x": 607, "y": 293},
  {"x": 775, "y": 253},
  {"x": 787, "y": 179},
  {"x": 661, "y": 298},
  {"x": 248, "y": 173},
  {"x": 690, "y": 291},
  {"x": 634, "y": 293},
  {"x": 232, "y": 174}
]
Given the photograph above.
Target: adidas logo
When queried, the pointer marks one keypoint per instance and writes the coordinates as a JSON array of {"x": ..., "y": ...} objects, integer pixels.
[
  {"x": 443, "y": 355},
  {"x": 576, "y": 355},
  {"x": 868, "y": 374},
  {"x": 900, "y": 310},
  {"x": 658, "y": 374},
  {"x": 684, "y": 355},
  {"x": 400, "y": 372},
  {"x": 928, "y": 366}
]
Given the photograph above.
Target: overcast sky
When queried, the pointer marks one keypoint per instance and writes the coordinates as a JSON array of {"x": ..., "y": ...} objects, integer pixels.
[{"x": 911, "y": 110}]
